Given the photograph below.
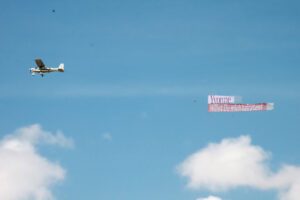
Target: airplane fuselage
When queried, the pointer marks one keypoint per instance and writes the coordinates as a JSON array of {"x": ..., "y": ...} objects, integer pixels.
[{"x": 46, "y": 70}]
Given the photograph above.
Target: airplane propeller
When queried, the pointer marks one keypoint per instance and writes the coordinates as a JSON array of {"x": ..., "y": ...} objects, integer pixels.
[{"x": 32, "y": 73}]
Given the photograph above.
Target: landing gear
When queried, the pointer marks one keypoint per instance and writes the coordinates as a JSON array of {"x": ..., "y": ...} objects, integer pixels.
[
  {"x": 42, "y": 75},
  {"x": 33, "y": 74}
]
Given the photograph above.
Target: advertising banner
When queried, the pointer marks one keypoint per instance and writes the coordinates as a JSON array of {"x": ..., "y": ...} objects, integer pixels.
[
  {"x": 240, "y": 107},
  {"x": 218, "y": 99}
]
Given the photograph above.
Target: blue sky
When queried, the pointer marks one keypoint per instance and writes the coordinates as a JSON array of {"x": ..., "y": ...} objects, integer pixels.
[{"x": 141, "y": 72}]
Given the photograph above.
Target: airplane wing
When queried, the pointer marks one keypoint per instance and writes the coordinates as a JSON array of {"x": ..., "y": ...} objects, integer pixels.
[{"x": 40, "y": 63}]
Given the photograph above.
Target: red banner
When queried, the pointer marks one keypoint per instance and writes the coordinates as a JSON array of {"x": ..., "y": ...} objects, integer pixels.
[{"x": 240, "y": 107}]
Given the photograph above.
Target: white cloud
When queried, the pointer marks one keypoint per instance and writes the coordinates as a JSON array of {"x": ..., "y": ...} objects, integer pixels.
[
  {"x": 236, "y": 162},
  {"x": 35, "y": 135},
  {"x": 210, "y": 198},
  {"x": 24, "y": 174},
  {"x": 107, "y": 136}
]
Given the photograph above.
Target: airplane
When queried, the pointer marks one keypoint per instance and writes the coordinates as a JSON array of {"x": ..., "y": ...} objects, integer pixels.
[{"x": 42, "y": 68}]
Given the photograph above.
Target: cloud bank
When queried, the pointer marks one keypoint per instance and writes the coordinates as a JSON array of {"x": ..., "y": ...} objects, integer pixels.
[
  {"x": 236, "y": 162},
  {"x": 210, "y": 198},
  {"x": 24, "y": 174}
]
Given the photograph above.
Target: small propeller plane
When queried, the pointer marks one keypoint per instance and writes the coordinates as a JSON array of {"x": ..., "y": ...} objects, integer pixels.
[{"x": 42, "y": 68}]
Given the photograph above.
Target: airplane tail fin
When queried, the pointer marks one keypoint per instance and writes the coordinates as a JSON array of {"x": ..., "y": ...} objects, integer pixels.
[{"x": 61, "y": 67}]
